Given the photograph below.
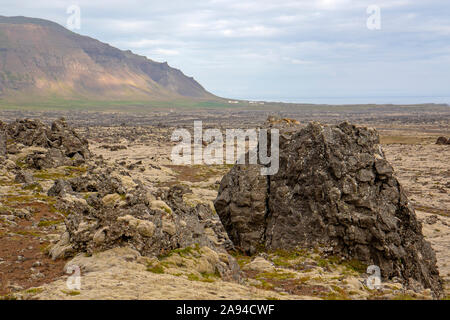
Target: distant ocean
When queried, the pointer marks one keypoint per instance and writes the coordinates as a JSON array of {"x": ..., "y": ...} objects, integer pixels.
[{"x": 363, "y": 100}]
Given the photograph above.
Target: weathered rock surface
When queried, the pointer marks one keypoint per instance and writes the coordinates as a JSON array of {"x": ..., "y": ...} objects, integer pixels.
[
  {"x": 58, "y": 145},
  {"x": 122, "y": 213},
  {"x": 105, "y": 208},
  {"x": 2, "y": 143},
  {"x": 24, "y": 177},
  {"x": 442, "y": 141},
  {"x": 334, "y": 190}
]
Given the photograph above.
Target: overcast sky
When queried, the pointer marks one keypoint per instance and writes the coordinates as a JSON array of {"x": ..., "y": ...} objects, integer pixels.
[{"x": 284, "y": 50}]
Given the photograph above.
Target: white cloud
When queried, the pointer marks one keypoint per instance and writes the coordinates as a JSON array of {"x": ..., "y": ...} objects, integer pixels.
[
  {"x": 166, "y": 52},
  {"x": 229, "y": 45}
]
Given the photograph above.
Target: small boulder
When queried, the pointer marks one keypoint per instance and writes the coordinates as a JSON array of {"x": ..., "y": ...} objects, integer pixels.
[
  {"x": 2, "y": 144},
  {"x": 24, "y": 177},
  {"x": 259, "y": 264},
  {"x": 443, "y": 141},
  {"x": 60, "y": 189}
]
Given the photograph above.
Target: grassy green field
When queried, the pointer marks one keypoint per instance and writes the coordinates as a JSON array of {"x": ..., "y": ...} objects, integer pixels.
[
  {"x": 55, "y": 104},
  {"x": 124, "y": 105}
]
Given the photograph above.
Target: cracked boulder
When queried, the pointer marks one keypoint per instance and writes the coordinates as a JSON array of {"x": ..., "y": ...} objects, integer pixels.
[{"x": 334, "y": 190}]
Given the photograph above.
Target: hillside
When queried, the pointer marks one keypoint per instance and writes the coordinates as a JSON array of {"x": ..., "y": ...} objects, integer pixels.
[{"x": 42, "y": 61}]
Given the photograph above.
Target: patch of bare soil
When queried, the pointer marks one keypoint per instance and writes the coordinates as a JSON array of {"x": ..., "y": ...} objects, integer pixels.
[{"x": 24, "y": 262}]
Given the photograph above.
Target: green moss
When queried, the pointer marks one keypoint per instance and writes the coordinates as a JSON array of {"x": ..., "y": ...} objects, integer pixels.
[
  {"x": 210, "y": 277},
  {"x": 356, "y": 266},
  {"x": 193, "y": 277},
  {"x": 46, "y": 175},
  {"x": 340, "y": 293},
  {"x": 303, "y": 280},
  {"x": 241, "y": 259},
  {"x": 45, "y": 248},
  {"x": 205, "y": 277},
  {"x": 69, "y": 172},
  {"x": 335, "y": 296},
  {"x": 28, "y": 233},
  {"x": 281, "y": 262},
  {"x": 34, "y": 187},
  {"x": 334, "y": 259},
  {"x": 159, "y": 269},
  {"x": 323, "y": 263},
  {"x": 53, "y": 209},
  {"x": 75, "y": 170},
  {"x": 34, "y": 290},
  {"x": 45, "y": 223},
  {"x": 265, "y": 285},
  {"x": 183, "y": 252},
  {"x": 21, "y": 163},
  {"x": 23, "y": 199},
  {"x": 71, "y": 292},
  {"x": 291, "y": 255},
  {"x": 275, "y": 275}
]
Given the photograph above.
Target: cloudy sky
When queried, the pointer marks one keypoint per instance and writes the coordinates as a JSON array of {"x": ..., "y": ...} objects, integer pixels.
[{"x": 282, "y": 50}]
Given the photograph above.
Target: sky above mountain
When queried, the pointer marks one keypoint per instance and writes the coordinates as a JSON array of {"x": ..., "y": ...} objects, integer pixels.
[{"x": 283, "y": 50}]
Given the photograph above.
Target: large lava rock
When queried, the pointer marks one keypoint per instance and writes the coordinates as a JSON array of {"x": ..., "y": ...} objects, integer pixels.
[{"x": 334, "y": 189}]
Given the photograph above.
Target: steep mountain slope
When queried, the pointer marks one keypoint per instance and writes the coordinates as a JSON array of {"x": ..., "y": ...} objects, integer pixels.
[{"x": 40, "y": 59}]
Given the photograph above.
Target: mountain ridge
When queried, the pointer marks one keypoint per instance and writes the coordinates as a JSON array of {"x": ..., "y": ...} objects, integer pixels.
[{"x": 41, "y": 60}]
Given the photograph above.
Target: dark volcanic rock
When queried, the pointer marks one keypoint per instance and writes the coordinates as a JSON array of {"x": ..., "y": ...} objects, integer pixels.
[
  {"x": 443, "y": 141},
  {"x": 2, "y": 143},
  {"x": 60, "y": 188},
  {"x": 63, "y": 146},
  {"x": 334, "y": 189}
]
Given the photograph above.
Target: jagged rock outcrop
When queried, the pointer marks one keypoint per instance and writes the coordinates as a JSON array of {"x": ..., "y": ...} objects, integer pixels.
[
  {"x": 57, "y": 145},
  {"x": 106, "y": 208},
  {"x": 334, "y": 190},
  {"x": 121, "y": 212}
]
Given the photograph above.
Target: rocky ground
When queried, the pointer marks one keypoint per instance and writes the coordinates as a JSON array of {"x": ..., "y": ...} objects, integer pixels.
[{"x": 32, "y": 224}]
